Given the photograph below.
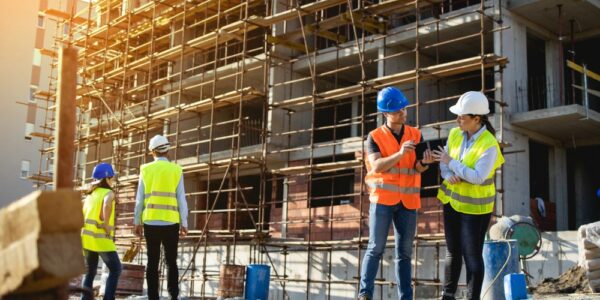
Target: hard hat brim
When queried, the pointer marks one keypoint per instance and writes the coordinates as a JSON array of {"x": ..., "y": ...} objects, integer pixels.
[
  {"x": 456, "y": 110},
  {"x": 162, "y": 148}
]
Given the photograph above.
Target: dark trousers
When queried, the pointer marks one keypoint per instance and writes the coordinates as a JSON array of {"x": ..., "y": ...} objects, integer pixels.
[
  {"x": 111, "y": 259},
  {"x": 464, "y": 239},
  {"x": 168, "y": 236}
]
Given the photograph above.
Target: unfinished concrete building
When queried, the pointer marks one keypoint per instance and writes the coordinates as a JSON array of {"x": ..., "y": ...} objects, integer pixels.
[{"x": 268, "y": 104}]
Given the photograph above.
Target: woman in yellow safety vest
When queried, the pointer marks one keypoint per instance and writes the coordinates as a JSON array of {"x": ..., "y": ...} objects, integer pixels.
[
  {"x": 468, "y": 164},
  {"x": 98, "y": 230}
]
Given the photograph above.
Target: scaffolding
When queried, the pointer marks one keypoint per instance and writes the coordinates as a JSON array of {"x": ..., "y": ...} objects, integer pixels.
[{"x": 267, "y": 105}]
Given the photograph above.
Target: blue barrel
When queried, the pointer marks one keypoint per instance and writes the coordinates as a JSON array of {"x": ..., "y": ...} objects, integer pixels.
[
  {"x": 495, "y": 255},
  {"x": 257, "y": 282}
]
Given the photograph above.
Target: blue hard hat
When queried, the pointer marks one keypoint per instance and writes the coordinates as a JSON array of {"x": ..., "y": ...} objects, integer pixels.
[
  {"x": 391, "y": 99},
  {"x": 103, "y": 170}
]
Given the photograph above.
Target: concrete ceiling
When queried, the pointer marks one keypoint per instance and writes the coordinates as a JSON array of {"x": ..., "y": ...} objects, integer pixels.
[
  {"x": 572, "y": 124},
  {"x": 545, "y": 14}
]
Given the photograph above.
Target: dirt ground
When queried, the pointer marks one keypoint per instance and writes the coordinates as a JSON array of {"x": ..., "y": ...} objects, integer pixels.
[{"x": 572, "y": 281}]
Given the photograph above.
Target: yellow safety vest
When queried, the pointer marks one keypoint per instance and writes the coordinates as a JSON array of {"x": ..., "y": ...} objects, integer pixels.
[
  {"x": 160, "y": 180},
  {"x": 93, "y": 235},
  {"x": 466, "y": 197}
]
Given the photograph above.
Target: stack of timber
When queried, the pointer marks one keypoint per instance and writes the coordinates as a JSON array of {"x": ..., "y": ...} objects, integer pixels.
[{"x": 40, "y": 243}]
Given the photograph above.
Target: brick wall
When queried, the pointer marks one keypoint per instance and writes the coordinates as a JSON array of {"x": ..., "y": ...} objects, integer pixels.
[{"x": 340, "y": 222}]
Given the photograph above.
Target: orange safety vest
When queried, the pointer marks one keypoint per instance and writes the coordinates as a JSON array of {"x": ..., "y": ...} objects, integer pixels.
[{"x": 402, "y": 182}]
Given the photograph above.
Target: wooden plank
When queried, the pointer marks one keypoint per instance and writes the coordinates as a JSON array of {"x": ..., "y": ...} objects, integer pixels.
[
  {"x": 42, "y": 135},
  {"x": 384, "y": 8},
  {"x": 294, "y": 12},
  {"x": 40, "y": 178},
  {"x": 48, "y": 52},
  {"x": 435, "y": 71},
  {"x": 44, "y": 94},
  {"x": 579, "y": 69},
  {"x": 324, "y": 167},
  {"x": 61, "y": 15},
  {"x": 40, "y": 243},
  {"x": 591, "y": 91}
]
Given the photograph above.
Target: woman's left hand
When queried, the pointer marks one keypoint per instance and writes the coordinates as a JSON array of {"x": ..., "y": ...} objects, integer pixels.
[{"x": 441, "y": 155}]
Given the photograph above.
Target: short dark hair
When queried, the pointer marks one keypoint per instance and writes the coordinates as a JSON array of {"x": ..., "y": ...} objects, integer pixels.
[{"x": 160, "y": 154}]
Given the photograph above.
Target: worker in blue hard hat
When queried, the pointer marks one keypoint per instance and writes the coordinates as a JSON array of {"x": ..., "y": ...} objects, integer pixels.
[
  {"x": 98, "y": 232},
  {"x": 394, "y": 184}
]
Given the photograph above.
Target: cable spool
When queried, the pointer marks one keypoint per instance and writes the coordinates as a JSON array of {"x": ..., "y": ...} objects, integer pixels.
[{"x": 520, "y": 228}]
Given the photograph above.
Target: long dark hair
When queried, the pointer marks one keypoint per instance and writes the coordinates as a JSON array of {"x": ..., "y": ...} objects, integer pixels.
[
  {"x": 486, "y": 122},
  {"x": 103, "y": 183}
]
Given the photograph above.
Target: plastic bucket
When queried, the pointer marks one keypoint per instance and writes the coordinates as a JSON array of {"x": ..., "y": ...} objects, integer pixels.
[
  {"x": 495, "y": 255},
  {"x": 515, "y": 287},
  {"x": 257, "y": 282}
]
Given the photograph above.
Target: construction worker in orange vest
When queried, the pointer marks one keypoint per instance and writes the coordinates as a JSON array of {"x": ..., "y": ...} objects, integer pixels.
[{"x": 394, "y": 184}]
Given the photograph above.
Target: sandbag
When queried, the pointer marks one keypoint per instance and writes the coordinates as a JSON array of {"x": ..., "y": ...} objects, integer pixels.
[
  {"x": 588, "y": 245},
  {"x": 595, "y": 285},
  {"x": 591, "y": 254},
  {"x": 592, "y": 264},
  {"x": 592, "y": 233},
  {"x": 593, "y": 275}
]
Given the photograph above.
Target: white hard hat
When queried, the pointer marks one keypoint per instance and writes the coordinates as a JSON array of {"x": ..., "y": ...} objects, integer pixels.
[
  {"x": 474, "y": 103},
  {"x": 159, "y": 144}
]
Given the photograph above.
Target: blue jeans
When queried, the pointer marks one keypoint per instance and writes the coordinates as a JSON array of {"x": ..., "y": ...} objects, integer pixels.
[
  {"x": 111, "y": 259},
  {"x": 405, "y": 225},
  {"x": 465, "y": 235}
]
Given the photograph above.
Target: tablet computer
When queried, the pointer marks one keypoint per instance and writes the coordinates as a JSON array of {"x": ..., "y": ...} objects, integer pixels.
[{"x": 421, "y": 147}]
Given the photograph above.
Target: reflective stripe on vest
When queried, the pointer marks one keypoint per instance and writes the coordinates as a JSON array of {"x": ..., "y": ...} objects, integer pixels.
[
  {"x": 161, "y": 179},
  {"x": 97, "y": 224},
  {"x": 160, "y": 194},
  {"x": 394, "y": 188},
  {"x": 466, "y": 197},
  {"x": 161, "y": 206},
  {"x": 93, "y": 235},
  {"x": 404, "y": 171},
  {"x": 401, "y": 183}
]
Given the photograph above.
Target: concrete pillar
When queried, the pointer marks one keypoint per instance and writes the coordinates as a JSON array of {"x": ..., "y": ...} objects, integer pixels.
[
  {"x": 557, "y": 157},
  {"x": 552, "y": 73},
  {"x": 516, "y": 176},
  {"x": 586, "y": 168},
  {"x": 512, "y": 43},
  {"x": 64, "y": 133}
]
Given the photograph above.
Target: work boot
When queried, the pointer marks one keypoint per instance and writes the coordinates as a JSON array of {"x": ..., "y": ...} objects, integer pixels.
[
  {"x": 363, "y": 297},
  {"x": 446, "y": 297}
]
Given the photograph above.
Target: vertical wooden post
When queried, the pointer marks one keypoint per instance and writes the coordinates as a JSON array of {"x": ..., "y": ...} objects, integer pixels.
[{"x": 64, "y": 132}]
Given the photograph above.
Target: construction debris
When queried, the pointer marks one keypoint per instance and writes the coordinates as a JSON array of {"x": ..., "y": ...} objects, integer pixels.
[{"x": 572, "y": 281}]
